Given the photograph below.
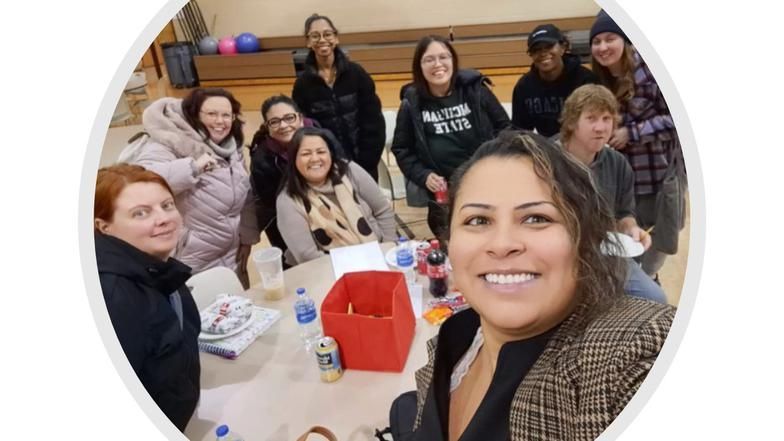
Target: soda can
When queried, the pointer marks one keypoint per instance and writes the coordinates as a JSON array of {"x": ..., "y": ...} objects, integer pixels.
[
  {"x": 421, "y": 257},
  {"x": 329, "y": 359}
]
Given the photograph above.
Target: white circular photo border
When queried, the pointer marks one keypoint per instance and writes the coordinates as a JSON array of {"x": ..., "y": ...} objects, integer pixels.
[{"x": 696, "y": 239}]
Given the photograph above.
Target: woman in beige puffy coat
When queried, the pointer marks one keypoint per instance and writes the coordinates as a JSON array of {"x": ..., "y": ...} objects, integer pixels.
[{"x": 195, "y": 144}]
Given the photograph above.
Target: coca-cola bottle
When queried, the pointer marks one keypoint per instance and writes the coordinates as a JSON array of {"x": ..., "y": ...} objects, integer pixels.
[{"x": 436, "y": 270}]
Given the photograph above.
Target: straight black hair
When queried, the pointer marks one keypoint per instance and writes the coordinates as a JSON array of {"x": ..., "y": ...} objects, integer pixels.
[{"x": 420, "y": 83}]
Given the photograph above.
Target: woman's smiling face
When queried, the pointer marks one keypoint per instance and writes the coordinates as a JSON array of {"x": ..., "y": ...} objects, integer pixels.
[{"x": 513, "y": 257}]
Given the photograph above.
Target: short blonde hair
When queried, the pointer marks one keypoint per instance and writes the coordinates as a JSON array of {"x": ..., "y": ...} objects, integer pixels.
[{"x": 586, "y": 98}]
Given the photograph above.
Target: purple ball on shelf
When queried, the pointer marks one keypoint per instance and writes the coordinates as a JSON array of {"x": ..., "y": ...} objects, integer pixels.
[{"x": 247, "y": 43}]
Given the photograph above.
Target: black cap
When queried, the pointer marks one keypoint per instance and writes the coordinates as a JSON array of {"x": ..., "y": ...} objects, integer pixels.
[
  {"x": 546, "y": 33},
  {"x": 605, "y": 23}
]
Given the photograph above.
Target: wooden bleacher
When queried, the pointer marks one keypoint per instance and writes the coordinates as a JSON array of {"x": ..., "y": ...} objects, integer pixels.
[{"x": 383, "y": 53}]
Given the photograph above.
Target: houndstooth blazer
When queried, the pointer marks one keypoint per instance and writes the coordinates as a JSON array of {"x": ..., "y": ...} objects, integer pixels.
[{"x": 585, "y": 376}]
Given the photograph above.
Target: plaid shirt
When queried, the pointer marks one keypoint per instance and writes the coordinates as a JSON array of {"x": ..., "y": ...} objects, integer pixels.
[
  {"x": 585, "y": 376},
  {"x": 652, "y": 135}
]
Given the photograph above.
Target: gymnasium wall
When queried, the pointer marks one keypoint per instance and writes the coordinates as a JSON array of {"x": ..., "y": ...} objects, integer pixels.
[{"x": 277, "y": 18}]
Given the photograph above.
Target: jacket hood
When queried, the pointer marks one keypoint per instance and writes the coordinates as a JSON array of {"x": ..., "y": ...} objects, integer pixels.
[
  {"x": 115, "y": 256},
  {"x": 164, "y": 121}
]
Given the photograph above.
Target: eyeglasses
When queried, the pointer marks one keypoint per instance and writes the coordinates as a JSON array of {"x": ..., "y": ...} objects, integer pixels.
[
  {"x": 327, "y": 35},
  {"x": 289, "y": 119},
  {"x": 214, "y": 116},
  {"x": 430, "y": 60}
]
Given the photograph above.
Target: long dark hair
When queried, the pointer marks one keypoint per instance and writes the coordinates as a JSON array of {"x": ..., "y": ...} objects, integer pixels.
[
  {"x": 263, "y": 131},
  {"x": 191, "y": 106},
  {"x": 420, "y": 83},
  {"x": 296, "y": 186},
  {"x": 587, "y": 215}
]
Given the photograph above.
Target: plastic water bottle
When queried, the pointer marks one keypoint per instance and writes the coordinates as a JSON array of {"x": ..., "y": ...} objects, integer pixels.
[
  {"x": 307, "y": 318},
  {"x": 222, "y": 433},
  {"x": 405, "y": 259}
]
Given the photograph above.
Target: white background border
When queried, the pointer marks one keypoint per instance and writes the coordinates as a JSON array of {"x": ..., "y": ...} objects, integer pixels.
[{"x": 59, "y": 383}]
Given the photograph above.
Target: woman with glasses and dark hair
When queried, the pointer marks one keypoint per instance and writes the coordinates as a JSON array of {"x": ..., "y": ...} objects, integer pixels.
[
  {"x": 327, "y": 201},
  {"x": 269, "y": 159},
  {"x": 539, "y": 95},
  {"x": 341, "y": 96},
  {"x": 443, "y": 117},
  {"x": 195, "y": 145}
]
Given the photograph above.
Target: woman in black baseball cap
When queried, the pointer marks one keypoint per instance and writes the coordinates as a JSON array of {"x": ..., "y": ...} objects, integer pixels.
[{"x": 538, "y": 96}]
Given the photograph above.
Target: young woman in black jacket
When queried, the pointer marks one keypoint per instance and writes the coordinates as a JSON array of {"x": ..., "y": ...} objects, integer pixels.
[
  {"x": 341, "y": 96},
  {"x": 153, "y": 313},
  {"x": 539, "y": 95},
  {"x": 443, "y": 117}
]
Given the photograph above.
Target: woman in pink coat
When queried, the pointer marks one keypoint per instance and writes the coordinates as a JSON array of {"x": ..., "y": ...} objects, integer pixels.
[{"x": 195, "y": 144}]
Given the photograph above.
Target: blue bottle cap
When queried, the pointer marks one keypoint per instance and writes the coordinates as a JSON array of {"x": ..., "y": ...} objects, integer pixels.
[
  {"x": 300, "y": 291},
  {"x": 222, "y": 430}
]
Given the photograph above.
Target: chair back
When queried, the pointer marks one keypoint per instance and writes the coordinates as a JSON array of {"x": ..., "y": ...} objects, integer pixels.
[{"x": 206, "y": 285}]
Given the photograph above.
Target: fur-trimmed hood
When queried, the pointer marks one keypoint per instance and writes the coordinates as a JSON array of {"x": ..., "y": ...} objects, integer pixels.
[{"x": 165, "y": 122}]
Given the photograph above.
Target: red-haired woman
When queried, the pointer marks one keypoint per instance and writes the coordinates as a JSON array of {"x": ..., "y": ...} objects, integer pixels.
[{"x": 136, "y": 230}]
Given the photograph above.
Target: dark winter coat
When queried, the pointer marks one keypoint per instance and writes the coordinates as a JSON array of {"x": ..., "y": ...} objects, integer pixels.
[
  {"x": 537, "y": 104},
  {"x": 410, "y": 142},
  {"x": 165, "y": 357},
  {"x": 350, "y": 109}
]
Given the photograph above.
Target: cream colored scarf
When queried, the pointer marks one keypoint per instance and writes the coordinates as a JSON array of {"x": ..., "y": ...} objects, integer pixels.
[{"x": 338, "y": 225}]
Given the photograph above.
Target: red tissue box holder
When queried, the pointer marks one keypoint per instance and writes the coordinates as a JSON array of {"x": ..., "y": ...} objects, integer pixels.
[{"x": 376, "y": 334}]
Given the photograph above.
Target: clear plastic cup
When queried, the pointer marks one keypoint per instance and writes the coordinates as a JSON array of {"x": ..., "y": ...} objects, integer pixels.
[{"x": 269, "y": 264}]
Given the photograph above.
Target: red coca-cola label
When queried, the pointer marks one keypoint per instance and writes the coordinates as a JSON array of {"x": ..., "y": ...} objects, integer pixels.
[
  {"x": 436, "y": 271},
  {"x": 442, "y": 197}
]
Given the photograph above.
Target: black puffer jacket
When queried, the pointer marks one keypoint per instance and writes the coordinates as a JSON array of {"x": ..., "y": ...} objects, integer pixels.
[
  {"x": 136, "y": 288},
  {"x": 350, "y": 109},
  {"x": 410, "y": 143}
]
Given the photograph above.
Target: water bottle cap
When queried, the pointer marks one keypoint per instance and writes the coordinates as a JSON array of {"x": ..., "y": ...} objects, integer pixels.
[
  {"x": 222, "y": 430},
  {"x": 402, "y": 239},
  {"x": 300, "y": 291}
]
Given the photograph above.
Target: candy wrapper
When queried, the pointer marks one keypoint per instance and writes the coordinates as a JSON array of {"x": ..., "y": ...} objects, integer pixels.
[
  {"x": 440, "y": 309},
  {"x": 226, "y": 314}
]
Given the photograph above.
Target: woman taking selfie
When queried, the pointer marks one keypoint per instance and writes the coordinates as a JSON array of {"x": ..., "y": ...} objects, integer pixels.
[
  {"x": 551, "y": 348},
  {"x": 269, "y": 159},
  {"x": 442, "y": 119},
  {"x": 328, "y": 202},
  {"x": 195, "y": 145},
  {"x": 136, "y": 229},
  {"x": 646, "y": 136},
  {"x": 341, "y": 96}
]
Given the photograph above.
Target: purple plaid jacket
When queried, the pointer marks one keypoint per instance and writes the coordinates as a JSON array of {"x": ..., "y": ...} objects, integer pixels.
[{"x": 653, "y": 139}]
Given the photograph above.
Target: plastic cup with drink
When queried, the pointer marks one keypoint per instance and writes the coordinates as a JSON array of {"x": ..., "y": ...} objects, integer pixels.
[{"x": 269, "y": 264}]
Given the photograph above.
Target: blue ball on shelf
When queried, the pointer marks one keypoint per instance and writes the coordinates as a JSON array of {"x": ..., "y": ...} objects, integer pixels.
[{"x": 247, "y": 42}]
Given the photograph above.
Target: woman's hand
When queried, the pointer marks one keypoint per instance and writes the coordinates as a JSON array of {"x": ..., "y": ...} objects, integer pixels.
[
  {"x": 619, "y": 139},
  {"x": 435, "y": 182},
  {"x": 205, "y": 163},
  {"x": 243, "y": 253}
]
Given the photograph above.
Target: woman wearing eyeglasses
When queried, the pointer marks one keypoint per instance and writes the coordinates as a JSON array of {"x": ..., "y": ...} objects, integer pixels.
[
  {"x": 442, "y": 119},
  {"x": 269, "y": 159},
  {"x": 341, "y": 96},
  {"x": 195, "y": 144}
]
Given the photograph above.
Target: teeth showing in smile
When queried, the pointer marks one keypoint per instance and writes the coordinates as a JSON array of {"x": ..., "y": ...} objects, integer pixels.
[{"x": 507, "y": 279}]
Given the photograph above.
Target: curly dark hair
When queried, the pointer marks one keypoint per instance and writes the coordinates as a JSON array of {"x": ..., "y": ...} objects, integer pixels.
[{"x": 587, "y": 215}]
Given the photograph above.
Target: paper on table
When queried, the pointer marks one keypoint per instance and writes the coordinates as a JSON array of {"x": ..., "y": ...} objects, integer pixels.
[
  {"x": 364, "y": 257},
  {"x": 415, "y": 292}
]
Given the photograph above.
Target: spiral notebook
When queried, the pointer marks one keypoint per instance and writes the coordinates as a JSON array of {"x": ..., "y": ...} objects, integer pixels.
[{"x": 232, "y": 346}]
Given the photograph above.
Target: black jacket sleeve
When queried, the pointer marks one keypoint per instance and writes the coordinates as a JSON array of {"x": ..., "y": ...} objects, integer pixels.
[
  {"x": 499, "y": 119},
  {"x": 266, "y": 191},
  {"x": 127, "y": 312},
  {"x": 520, "y": 117},
  {"x": 372, "y": 128},
  {"x": 404, "y": 147}
]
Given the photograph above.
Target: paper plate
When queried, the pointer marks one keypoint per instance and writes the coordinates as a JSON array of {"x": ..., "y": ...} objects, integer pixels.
[{"x": 628, "y": 246}]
